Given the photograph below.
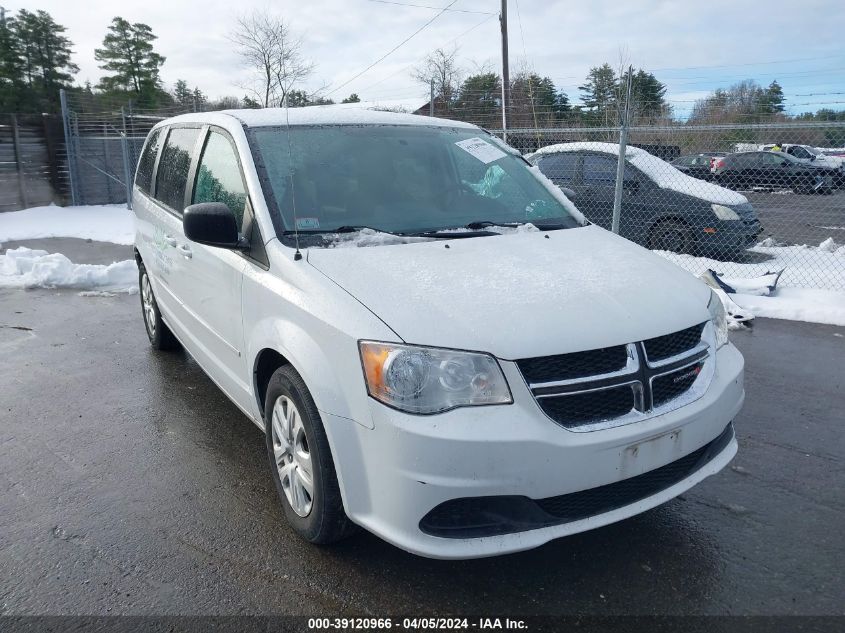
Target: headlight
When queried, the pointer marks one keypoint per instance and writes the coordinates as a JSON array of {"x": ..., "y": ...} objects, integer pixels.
[
  {"x": 429, "y": 379},
  {"x": 724, "y": 213},
  {"x": 719, "y": 317}
]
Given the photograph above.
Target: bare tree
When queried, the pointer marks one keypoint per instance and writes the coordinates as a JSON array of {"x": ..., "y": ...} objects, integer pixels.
[
  {"x": 441, "y": 67},
  {"x": 267, "y": 46}
]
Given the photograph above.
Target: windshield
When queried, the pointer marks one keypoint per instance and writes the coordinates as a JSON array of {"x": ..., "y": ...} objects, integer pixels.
[
  {"x": 812, "y": 150},
  {"x": 398, "y": 179}
]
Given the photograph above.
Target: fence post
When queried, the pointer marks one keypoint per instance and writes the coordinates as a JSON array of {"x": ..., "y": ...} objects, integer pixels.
[
  {"x": 71, "y": 155},
  {"x": 127, "y": 170},
  {"x": 16, "y": 139},
  {"x": 620, "y": 164}
]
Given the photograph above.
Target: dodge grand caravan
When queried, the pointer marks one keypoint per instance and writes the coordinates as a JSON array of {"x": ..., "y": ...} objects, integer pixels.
[{"x": 438, "y": 346}]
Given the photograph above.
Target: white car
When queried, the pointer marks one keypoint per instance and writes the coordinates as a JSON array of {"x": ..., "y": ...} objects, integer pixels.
[{"x": 438, "y": 346}]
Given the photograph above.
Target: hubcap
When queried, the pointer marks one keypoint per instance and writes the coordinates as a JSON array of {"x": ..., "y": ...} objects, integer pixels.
[
  {"x": 292, "y": 456},
  {"x": 148, "y": 304},
  {"x": 671, "y": 239}
]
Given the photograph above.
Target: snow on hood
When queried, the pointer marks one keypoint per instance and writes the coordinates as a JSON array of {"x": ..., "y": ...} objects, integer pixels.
[
  {"x": 662, "y": 173},
  {"x": 520, "y": 295}
]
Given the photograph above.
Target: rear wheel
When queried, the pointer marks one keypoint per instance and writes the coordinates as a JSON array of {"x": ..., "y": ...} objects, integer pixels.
[
  {"x": 301, "y": 461},
  {"x": 161, "y": 338},
  {"x": 670, "y": 235}
]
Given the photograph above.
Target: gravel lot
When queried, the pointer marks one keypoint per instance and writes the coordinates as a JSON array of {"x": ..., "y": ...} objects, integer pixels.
[
  {"x": 800, "y": 218},
  {"x": 130, "y": 485}
]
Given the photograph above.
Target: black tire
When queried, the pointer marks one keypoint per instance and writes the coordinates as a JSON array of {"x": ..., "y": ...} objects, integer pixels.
[
  {"x": 326, "y": 522},
  {"x": 670, "y": 235},
  {"x": 161, "y": 338}
]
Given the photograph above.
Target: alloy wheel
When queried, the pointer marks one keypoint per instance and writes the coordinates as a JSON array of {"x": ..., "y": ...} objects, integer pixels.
[{"x": 148, "y": 304}]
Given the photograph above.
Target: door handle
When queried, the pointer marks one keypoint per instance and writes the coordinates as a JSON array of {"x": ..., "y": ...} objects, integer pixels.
[
  {"x": 169, "y": 240},
  {"x": 185, "y": 250}
]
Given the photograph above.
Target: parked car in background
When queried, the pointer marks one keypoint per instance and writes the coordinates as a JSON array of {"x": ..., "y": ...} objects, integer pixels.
[
  {"x": 811, "y": 155},
  {"x": 662, "y": 208},
  {"x": 478, "y": 372},
  {"x": 697, "y": 165},
  {"x": 774, "y": 170}
]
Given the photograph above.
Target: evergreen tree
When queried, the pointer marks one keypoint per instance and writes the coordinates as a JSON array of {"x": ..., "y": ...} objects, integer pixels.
[
  {"x": 11, "y": 69},
  {"x": 353, "y": 98},
  {"x": 772, "y": 99},
  {"x": 599, "y": 92},
  {"x": 183, "y": 94},
  {"x": 647, "y": 95},
  {"x": 479, "y": 100},
  {"x": 128, "y": 54},
  {"x": 35, "y": 60},
  {"x": 249, "y": 102}
]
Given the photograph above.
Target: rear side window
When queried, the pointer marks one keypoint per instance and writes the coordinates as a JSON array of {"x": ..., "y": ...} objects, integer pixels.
[
  {"x": 174, "y": 165},
  {"x": 147, "y": 163},
  {"x": 219, "y": 176},
  {"x": 560, "y": 167},
  {"x": 599, "y": 170}
]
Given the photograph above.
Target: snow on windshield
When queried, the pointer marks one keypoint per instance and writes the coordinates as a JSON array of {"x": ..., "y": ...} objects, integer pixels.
[{"x": 662, "y": 173}]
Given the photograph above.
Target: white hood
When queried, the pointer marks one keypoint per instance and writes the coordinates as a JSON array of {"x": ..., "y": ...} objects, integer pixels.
[{"x": 520, "y": 295}]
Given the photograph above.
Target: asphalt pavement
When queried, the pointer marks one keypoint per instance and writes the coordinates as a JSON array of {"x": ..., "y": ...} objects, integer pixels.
[
  {"x": 129, "y": 484},
  {"x": 792, "y": 218}
]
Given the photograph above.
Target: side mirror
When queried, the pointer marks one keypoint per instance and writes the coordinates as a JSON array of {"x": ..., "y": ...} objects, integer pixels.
[
  {"x": 812, "y": 157},
  {"x": 212, "y": 224},
  {"x": 569, "y": 193}
]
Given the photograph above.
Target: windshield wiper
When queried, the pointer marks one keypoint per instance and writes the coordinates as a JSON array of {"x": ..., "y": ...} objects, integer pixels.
[
  {"x": 481, "y": 224},
  {"x": 346, "y": 228},
  {"x": 449, "y": 234}
]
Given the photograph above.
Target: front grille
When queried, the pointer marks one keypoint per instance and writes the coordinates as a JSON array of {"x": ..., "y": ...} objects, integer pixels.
[
  {"x": 620, "y": 384},
  {"x": 575, "y": 365},
  {"x": 668, "y": 345},
  {"x": 670, "y": 386},
  {"x": 472, "y": 517},
  {"x": 592, "y": 406}
]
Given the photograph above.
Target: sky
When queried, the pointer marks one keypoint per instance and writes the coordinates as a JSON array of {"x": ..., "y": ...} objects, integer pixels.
[{"x": 692, "y": 47}]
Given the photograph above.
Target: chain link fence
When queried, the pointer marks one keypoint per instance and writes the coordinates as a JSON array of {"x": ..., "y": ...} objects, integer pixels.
[
  {"x": 705, "y": 196},
  {"x": 743, "y": 200}
]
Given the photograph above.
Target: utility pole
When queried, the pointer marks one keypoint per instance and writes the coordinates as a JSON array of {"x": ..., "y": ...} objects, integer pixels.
[
  {"x": 503, "y": 20},
  {"x": 620, "y": 165}
]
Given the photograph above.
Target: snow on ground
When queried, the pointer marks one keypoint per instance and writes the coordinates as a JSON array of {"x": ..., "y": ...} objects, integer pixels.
[
  {"x": 810, "y": 288},
  {"x": 27, "y": 268},
  {"x": 102, "y": 223},
  {"x": 821, "y": 266}
]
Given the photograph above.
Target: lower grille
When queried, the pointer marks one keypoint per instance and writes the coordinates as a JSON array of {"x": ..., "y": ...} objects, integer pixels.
[
  {"x": 592, "y": 406},
  {"x": 474, "y": 517}
]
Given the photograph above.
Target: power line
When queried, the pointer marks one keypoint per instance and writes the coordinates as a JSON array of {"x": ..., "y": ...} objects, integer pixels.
[
  {"x": 393, "y": 50},
  {"x": 404, "y": 68},
  {"x": 423, "y": 6},
  {"x": 779, "y": 61}
]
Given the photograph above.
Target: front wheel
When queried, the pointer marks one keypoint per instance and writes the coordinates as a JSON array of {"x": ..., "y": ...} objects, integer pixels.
[
  {"x": 670, "y": 235},
  {"x": 301, "y": 461},
  {"x": 161, "y": 338}
]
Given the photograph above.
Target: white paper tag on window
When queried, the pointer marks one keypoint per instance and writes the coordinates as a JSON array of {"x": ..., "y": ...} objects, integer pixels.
[
  {"x": 303, "y": 224},
  {"x": 481, "y": 149}
]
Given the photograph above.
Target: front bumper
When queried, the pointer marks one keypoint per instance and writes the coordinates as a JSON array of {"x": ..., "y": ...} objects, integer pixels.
[{"x": 393, "y": 475}]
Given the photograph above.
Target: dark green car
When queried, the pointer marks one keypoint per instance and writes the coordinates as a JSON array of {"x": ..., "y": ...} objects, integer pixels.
[{"x": 662, "y": 208}]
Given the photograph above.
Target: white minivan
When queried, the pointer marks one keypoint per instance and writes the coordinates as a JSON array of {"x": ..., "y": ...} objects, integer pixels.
[{"x": 438, "y": 346}]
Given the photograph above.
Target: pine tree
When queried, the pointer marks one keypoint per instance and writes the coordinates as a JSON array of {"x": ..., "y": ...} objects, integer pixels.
[
  {"x": 772, "y": 99},
  {"x": 183, "y": 94},
  {"x": 37, "y": 51},
  {"x": 249, "y": 102},
  {"x": 647, "y": 95},
  {"x": 479, "y": 100},
  {"x": 599, "y": 93},
  {"x": 353, "y": 98},
  {"x": 11, "y": 69},
  {"x": 128, "y": 53}
]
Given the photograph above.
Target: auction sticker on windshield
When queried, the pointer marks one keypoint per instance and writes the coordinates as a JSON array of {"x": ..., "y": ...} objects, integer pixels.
[{"x": 481, "y": 149}]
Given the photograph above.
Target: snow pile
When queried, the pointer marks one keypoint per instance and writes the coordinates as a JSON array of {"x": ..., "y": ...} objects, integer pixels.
[
  {"x": 662, "y": 173},
  {"x": 806, "y": 266},
  {"x": 27, "y": 268},
  {"x": 102, "y": 223},
  {"x": 821, "y": 267}
]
